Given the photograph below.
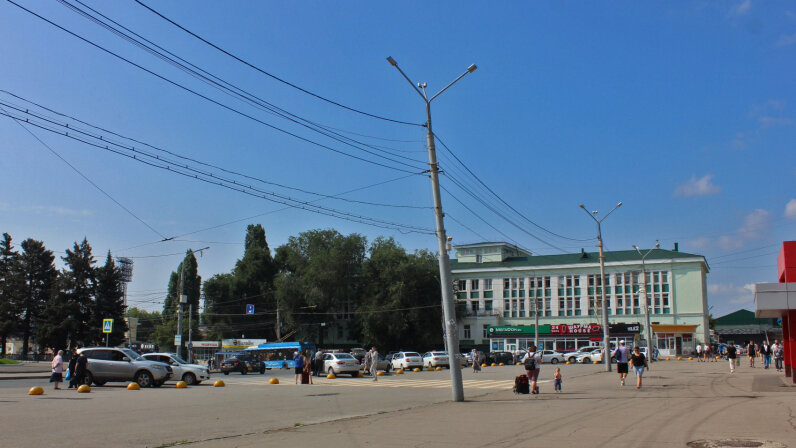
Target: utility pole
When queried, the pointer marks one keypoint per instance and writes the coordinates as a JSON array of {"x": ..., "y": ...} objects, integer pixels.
[
  {"x": 183, "y": 299},
  {"x": 603, "y": 285},
  {"x": 643, "y": 290},
  {"x": 189, "y": 347},
  {"x": 278, "y": 323},
  {"x": 448, "y": 308}
]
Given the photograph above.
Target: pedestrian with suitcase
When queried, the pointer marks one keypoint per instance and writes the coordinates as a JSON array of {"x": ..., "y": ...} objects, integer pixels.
[{"x": 532, "y": 361}]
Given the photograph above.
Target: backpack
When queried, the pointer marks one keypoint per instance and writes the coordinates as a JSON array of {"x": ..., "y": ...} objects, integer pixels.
[{"x": 530, "y": 362}]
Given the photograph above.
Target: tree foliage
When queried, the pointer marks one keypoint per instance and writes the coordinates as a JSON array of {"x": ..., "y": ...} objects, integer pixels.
[{"x": 11, "y": 291}]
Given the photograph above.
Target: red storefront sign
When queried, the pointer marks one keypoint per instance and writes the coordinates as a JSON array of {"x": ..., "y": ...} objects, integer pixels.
[{"x": 575, "y": 329}]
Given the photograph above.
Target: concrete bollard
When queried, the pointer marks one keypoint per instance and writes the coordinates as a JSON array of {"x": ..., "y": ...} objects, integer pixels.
[
  {"x": 133, "y": 386},
  {"x": 36, "y": 390},
  {"x": 273, "y": 380},
  {"x": 219, "y": 383}
]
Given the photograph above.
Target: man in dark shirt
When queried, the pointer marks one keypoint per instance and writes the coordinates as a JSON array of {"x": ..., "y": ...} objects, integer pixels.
[{"x": 731, "y": 356}]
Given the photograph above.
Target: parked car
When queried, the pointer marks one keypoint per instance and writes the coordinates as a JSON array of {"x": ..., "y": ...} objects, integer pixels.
[
  {"x": 588, "y": 357},
  {"x": 122, "y": 364},
  {"x": 573, "y": 356},
  {"x": 358, "y": 353},
  {"x": 498, "y": 357},
  {"x": 407, "y": 360},
  {"x": 182, "y": 369},
  {"x": 338, "y": 363},
  {"x": 243, "y": 364},
  {"x": 382, "y": 364},
  {"x": 436, "y": 359},
  {"x": 552, "y": 357}
]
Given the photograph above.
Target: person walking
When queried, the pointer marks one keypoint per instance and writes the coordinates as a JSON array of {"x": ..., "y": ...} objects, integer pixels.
[
  {"x": 476, "y": 361},
  {"x": 765, "y": 351},
  {"x": 532, "y": 361},
  {"x": 621, "y": 354},
  {"x": 699, "y": 353},
  {"x": 306, "y": 372},
  {"x": 731, "y": 353},
  {"x": 751, "y": 352},
  {"x": 639, "y": 363},
  {"x": 81, "y": 365},
  {"x": 298, "y": 361},
  {"x": 366, "y": 362},
  {"x": 57, "y": 366},
  {"x": 374, "y": 363},
  {"x": 317, "y": 363},
  {"x": 779, "y": 355},
  {"x": 71, "y": 371}
]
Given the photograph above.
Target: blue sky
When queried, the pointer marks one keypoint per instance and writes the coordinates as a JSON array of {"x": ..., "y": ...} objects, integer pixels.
[{"x": 684, "y": 111}]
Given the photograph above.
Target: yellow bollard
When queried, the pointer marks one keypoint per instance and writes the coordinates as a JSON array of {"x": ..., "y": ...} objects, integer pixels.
[
  {"x": 494, "y": 364},
  {"x": 273, "y": 380},
  {"x": 668, "y": 359},
  {"x": 84, "y": 389},
  {"x": 483, "y": 365},
  {"x": 502, "y": 364},
  {"x": 399, "y": 372},
  {"x": 519, "y": 363},
  {"x": 718, "y": 357},
  {"x": 219, "y": 383},
  {"x": 438, "y": 368},
  {"x": 36, "y": 390},
  {"x": 568, "y": 363},
  {"x": 679, "y": 358},
  {"x": 181, "y": 385},
  {"x": 690, "y": 358},
  {"x": 595, "y": 362},
  {"x": 361, "y": 374},
  {"x": 133, "y": 386},
  {"x": 380, "y": 373},
  {"x": 330, "y": 376},
  {"x": 416, "y": 369}
]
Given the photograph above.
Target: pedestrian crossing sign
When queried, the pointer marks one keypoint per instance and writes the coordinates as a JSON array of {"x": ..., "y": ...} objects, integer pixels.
[{"x": 107, "y": 325}]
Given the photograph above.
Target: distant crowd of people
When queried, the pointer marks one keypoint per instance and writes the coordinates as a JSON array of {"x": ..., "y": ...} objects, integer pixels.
[{"x": 775, "y": 351}]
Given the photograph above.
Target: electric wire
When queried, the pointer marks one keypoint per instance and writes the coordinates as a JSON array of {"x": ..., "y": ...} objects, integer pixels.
[
  {"x": 251, "y": 65},
  {"x": 200, "y": 95},
  {"x": 219, "y": 83},
  {"x": 86, "y": 178}
]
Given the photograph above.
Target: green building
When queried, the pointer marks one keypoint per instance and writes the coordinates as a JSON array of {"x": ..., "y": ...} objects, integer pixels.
[{"x": 503, "y": 287}]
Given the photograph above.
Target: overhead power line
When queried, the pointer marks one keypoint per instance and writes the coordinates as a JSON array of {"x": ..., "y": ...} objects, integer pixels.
[
  {"x": 86, "y": 178},
  {"x": 200, "y": 95},
  {"x": 271, "y": 75}
]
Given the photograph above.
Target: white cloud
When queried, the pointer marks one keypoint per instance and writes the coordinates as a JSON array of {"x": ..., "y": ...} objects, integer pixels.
[
  {"x": 785, "y": 41},
  {"x": 700, "y": 242},
  {"x": 730, "y": 293},
  {"x": 790, "y": 209},
  {"x": 728, "y": 243},
  {"x": 754, "y": 224},
  {"x": 698, "y": 187},
  {"x": 55, "y": 210},
  {"x": 742, "y": 9},
  {"x": 767, "y": 121}
]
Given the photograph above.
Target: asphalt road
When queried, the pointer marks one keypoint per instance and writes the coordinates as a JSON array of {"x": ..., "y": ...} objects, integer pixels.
[{"x": 682, "y": 400}]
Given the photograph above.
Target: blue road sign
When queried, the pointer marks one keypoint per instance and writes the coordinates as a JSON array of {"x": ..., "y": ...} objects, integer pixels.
[
  {"x": 249, "y": 308},
  {"x": 107, "y": 325}
]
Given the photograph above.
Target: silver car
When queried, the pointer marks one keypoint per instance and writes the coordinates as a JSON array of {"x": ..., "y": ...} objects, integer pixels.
[
  {"x": 552, "y": 357},
  {"x": 182, "y": 369},
  {"x": 338, "y": 363},
  {"x": 122, "y": 364}
]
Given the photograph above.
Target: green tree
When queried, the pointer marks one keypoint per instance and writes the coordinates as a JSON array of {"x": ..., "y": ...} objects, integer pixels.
[
  {"x": 147, "y": 322},
  {"x": 109, "y": 300},
  {"x": 39, "y": 287},
  {"x": 184, "y": 281},
  {"x": 400, "y": 304},
  {"x": 10, "y": 290},
  {"x": 319, "y": 281},
  {"x": 77, "y": 288}
]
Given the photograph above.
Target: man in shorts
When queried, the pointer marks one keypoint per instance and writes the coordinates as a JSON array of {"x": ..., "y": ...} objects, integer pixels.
[
  {"x": 298, "y": 360},
  {"x": 621, "y": 354},
  {"x": 532, "y": 361}
]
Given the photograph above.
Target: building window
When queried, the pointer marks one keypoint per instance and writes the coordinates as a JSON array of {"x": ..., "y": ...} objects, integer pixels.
[
  {"x": 487, "y": 284},
  {"x": 487, "y": 305},
  {"x": 474, "y": 285},
  {"x": 462, "y": 285},
  {"x": 466, "y": 332},
  {"x": 474, "y": 305},
  {"x": 486, "y": 331},
  {"x": 479, "y": 258}
]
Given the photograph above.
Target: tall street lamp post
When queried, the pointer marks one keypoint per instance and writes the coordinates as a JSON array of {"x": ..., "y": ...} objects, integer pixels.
[
  {"x": 448, "y": 309},
  {"x": 643, "y": 290},
  {"x": 602, "y": 284}
]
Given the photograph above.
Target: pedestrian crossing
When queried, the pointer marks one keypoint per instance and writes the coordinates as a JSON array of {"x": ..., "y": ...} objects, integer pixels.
[{"x": 394, "y": 382}]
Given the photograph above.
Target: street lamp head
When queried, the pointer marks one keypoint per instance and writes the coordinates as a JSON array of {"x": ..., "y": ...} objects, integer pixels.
[
  {"x": 472, "y": 68},
  {"x": 619, "y": 204},
  {"x": 594, "y": 212},
  {"x": 392, "y": 61},
  {"x": 635, "y": 247},
  {"x": 657, "y": 245},
  {"x": 581, "y": 206}
]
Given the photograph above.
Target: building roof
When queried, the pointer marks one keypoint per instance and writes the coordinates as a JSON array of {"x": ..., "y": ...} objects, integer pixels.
[
  {"x": 579, "y": 258},
  {"x": 740, "y": 318}
]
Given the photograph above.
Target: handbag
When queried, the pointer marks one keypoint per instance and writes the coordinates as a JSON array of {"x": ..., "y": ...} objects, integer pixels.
[{"x": 68, "y": 375}]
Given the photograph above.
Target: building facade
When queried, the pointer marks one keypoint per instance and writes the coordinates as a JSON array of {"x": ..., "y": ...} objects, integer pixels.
[{"x": 502, "y": 288}]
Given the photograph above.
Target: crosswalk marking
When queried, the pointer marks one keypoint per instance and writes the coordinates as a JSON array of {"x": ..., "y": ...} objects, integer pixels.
[{"x": 403, "y": 382}]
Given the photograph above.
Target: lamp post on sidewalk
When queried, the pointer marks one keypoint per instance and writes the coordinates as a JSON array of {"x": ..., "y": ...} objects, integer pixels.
[
  {"x": 448, "y": 308},
  {"x": 602, "y": 283},
  {"x": 643, "y": 290}
]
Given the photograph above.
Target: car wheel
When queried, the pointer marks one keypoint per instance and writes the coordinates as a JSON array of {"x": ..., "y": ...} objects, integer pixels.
[
  {"x": 554, "y": 361},
  {"x": 189, "y": 378},
  {"x": 226, "y": 372},
  {"x": 99, "y": 383},
  {"x": 88, "y": 378},
  {"x": 586, "y": 359},
  {"x": 262, "y": 370},
  {"x": 244, "y": 371},
  {"x": 571, "y": 359},
  {"x": 144, "y": 379}
]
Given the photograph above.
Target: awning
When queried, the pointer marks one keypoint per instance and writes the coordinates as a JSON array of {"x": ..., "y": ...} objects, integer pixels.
[{"x": 673, "y": 328}]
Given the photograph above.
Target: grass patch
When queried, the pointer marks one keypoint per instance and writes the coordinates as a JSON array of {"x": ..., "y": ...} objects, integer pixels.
[
  {"x": 296, "y": 425},
  {"x": 8, "y": 361}
]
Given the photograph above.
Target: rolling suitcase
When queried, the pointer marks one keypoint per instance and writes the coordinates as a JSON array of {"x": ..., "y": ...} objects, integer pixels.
[
  {"x": 521, "y": 385},
  {"x": 305, "y": 377}
]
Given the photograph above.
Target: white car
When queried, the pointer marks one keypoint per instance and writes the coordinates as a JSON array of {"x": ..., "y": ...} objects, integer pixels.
[
  {"x": 552, "y": 357},
  {"x": 573, "y": 356},
  {"x": 407, "y": 360},
  {"x": 589, "y": 357},
  {"x": 436, "y": 359},
  {"x": 190, "y": 373},
  {"x": 338, "y": 363}
]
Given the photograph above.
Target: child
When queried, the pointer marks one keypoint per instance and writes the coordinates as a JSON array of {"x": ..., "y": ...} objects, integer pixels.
[{"x": 557, "y": 379}]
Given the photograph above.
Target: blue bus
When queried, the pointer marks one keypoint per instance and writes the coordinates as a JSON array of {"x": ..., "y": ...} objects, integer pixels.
[{"x": 277, "y": 355}]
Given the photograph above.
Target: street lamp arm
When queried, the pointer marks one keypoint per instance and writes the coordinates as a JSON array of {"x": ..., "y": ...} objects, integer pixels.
[
  {"x": 395, "y": 64},
  {"x": 590, "y": 215},
  {"x": 452, "y": 83},
  {"x": 612, "y": 210}
]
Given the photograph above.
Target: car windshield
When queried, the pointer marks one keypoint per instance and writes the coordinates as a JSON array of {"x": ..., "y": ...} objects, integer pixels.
[
  {"x": 343, "y": 356},
  {"x": 131, "y": 354},
  {"x": 412, "y": 354},
  {"x": 178, "y": 359},
  {"x": 439, "y": 353}
]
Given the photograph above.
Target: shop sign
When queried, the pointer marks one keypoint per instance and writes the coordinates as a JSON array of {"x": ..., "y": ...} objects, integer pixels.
[
  {"x": 575, "y": 328},
  {"x": 205, "y": 344},
  {"x": 624, "y": 328},
  {"x": 516, "y": 330}
]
